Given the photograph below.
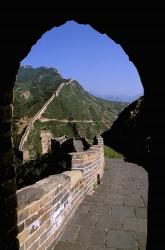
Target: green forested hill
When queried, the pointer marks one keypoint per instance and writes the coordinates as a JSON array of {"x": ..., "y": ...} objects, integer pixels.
[
  {"x": 74, "y": 103},
  {"x": 35, "y": 86}
]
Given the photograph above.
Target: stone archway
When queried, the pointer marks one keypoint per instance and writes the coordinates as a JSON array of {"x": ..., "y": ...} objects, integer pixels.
[{"x": 139, "y": 32}]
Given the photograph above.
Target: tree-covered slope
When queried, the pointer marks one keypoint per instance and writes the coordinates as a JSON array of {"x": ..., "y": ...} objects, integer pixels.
[
  {"x": 33, "y": 88},
  {"x": 83, "y": 114},
  {"x": 75, "y": 103}
]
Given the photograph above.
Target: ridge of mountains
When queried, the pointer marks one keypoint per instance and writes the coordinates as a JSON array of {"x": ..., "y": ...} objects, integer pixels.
[
  {"x": 119, "y": 98},
  {"x": 74, "y": 113}
]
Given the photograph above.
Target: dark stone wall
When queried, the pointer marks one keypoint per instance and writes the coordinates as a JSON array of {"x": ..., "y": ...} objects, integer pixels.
[
  {"x": 127, "y": 135},
  {"x": 140, "y": 33}
]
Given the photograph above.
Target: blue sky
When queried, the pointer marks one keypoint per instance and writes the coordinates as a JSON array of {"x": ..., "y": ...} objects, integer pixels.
[{"x": 79, "y": 52}]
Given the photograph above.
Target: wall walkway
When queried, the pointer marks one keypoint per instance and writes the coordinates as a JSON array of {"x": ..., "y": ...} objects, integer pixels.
[{"x": 115, "y": 216}]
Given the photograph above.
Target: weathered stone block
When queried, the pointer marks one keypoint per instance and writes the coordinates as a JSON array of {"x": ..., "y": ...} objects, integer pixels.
[
  {"x": 49, "y": 240},
  {"x": 46, "y": 225},
  {"x": 91, "y": 236},
  {"x": 57, "y": 199},
  {"x": 23, "y": 236},
  {"x": 142, "y": 240},
  {"x": 64, "y": 198},
  {"x": 77, "y": 161},
  {"x": 44, "y": 217},
  {"x": 84, "y": 219},
  {"x": 71, "y": 232},
  {"x": 30, "y": 240},
  {"x": 75, "y": 177},
  {"x": 46, "y": 235},
  {"x": 134, "y": 224},
  {"x": 48, "y": 206},
  {"x": 70, "y": 246},
  {"x": 27, "y": 195},
  {"x": 32, "y": 218},
  {"x": 46, "y": 199},
  {"x": 99, "y": 208},
  {"x": 57, "y": 206},
  {"x": 34, "y": 207},
  {"x": 141, "y": 212},
  {"x": 133, "y": 201},
  {"x": 109, "y": 222},
  {"x": 123, "y": 211},
  {"x": 42, "y": 247},
  {"x": 56, "y": 191},
  {"x": 119, "y": 239},
  {"x": 23, "y": 215},
  {"x": 35, "y": 245}
]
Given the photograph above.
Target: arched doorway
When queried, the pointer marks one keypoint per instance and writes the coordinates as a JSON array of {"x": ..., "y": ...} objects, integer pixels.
[{"x": 136, "y": 39}]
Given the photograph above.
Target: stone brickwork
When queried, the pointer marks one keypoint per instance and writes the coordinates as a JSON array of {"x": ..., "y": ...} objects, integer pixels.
[
  {"x": 89, "y": 163},
  {"x": 141, "y": 38},
  {"x": 45, "y": 207}
]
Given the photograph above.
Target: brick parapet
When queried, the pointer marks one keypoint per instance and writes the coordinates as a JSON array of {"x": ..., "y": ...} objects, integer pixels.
[{"x": 45, "y": 207}]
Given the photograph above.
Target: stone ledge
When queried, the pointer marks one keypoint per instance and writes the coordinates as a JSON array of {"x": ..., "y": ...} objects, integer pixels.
[
  {"x": 91, "y": 152},
  {"x": 75, "y": 176},
  {"x": 53, "y": 200},
  {"x": 29, "y": 194}
]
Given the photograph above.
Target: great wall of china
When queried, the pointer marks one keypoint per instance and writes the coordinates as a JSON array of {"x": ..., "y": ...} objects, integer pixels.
[
  {"x": 48, "y": 209},
  {"x": 45, "y": 207},
  {"x": 39, "y": 114}
]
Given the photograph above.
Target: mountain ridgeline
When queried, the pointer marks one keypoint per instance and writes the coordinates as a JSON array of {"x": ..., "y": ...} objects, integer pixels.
[{"x": 74, "y": 112}]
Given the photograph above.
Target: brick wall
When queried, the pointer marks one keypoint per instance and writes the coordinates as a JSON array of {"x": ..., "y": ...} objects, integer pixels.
[{"x": 45, "y": 207}]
